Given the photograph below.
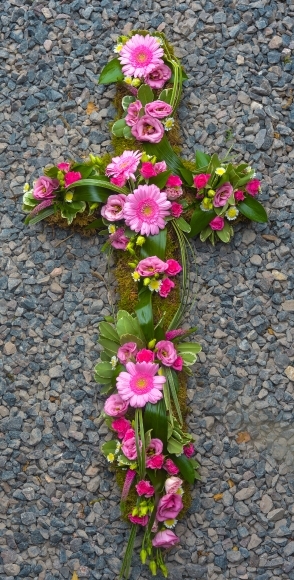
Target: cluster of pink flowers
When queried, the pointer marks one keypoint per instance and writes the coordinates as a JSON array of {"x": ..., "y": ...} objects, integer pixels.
[
  {"x": 141, "y": 57},
  {"x": 151, "y": 268},
  {"x": 44, "y": 187},
  {"x": 147, "y": 127}
]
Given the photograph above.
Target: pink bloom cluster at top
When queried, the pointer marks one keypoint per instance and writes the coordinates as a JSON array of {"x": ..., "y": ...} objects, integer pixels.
[
  {"x": 141, "y": 57},
  {"x": 153, "y": 266},
  {"x": 164, "y": 351}
]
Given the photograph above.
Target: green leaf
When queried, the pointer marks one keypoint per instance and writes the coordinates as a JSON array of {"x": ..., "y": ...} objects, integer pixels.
[
  {"x": 110, "y": 347},
  {"x": 95, "y": 224},
  {"x": 225, "y": 234},
  {"x": 164, "y": 151},
  {"x": 186, "y": 468},
  {"x": 155, "y": 245},
  {"x": 84, "y": 169},
  {"x": 166, "y": 95},
  {"x": 127, "y": 324},
  {"x": 184, "y": 75},
  {"x": 132, "y": 338},
  {"x": 189, "y": 358},
  {"x": 145, "y": 95},
  {"x": 29, "y": 199},
  {"x": 40, "y": 216},
  {"x": 51, "y": 172},
  {"x": 189, "y": 347},
  {"x": 104, "y": 370},
  {"x": 108, "y": 447},
  {"x": 107, "y": 389},
  {"x": 144, "y": 313},
  {"x": 91, "y": 193},
  {"x": 157, "y": 478},
  {"x": 107, "y": 331},
  {"x": 126, "y": 101},
  {"x": 104, "y": 356},
  {"x": 202, "y": 159},
  {"x": 205, "y": 233},
  {"x": 200, "y": 219},
  {"x": 183, "y": 225},
  {"x": 155, "y": 418},
  {"x": 245, "y": 178},
  {"x": 160, "y": 179},
  {"x": 98, "y": 181},
  {"x": 118, "y": 128},
  {"x": 111, "y": 73},
  {"x": 252, "y": 209},
  {"x": 174, "y": 446},
  {"x": 127, "y": 133},
  {"x": 70, "y": 210}
]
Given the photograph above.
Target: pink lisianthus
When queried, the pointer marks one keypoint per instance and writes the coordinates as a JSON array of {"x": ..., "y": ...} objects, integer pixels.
[
  {"x": 129, "y": 434},
  {"x": 114, "y": 209},
  {"x": 127, "y": 352},
  {"x": 133, "y": 113},
  {"x": 44, "y": 187},
  {"x": 158, "y": 109},
  {"x": 150, "y": 266},
  {"x": 171, "y": 334},
  {"x": 189, "y": 450},
  {"x": 222, "y": 194},
  {"x": 173, "y": 192},
  {"x": 140, "y": 55},
  {"x": 155, "y": 447},
  {"x": 239, "y": 195},
  {"x": 165, "y": 539},
  {"x": 165, "y": 287},
  {"x": 171, "y": 467},
  {"x": 148, "y": 129},
  {"x": 201, "y": 180},
  {"x": 178, "y": 364},
  {"x": 121, "y": 426},
  {"x": 145, "y": 210},
  {"x": 172, "y": 484},
  {"x": 120, "y": 180},
  {"x": 155, "y": 462},
  {"x": 174, "y": 267},
  {"x": 118, "y": 240},
  {"x": 159, "y": 75},
  {"x": 166, "y": 352},
  {"x": 174, "y": 181},
  {"x": 145, "y": 355},
  {"x": 148, "y": 170},
  {"x": 115, "y": 406},
  {"x": 64, "y": 167},
  {"x": 72, "y": 177},
  {"x": 217, "y": 223},
  {"x": 252, "y": 187},
  {"x": 160, "y": 167},
  {"x": 125, "y": 165},
  {"x": 141, "y": 520},
  {"x": 176, "y": 209},
  {"x": 169, "y": 507},
  {"x": 145, "y": 488},
  {"x": 129, "y": 448},
  {"x": 140, "y": 384}
]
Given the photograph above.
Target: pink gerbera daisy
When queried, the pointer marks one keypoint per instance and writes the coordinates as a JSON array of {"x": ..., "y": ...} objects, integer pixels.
[
  {"x": 140, "y": 55},
  {"x": 125, "y": 165},
  {"x": 145, "y": 210},
  {"x": 140, "y": 385}
]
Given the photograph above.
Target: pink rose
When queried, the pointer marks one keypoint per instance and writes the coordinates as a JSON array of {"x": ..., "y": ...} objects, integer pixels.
[
  {"x": 252, "y": 187},
  {"x": 147, "y": 170},
  {"x": 72, "y": 177},
  {"x": 64, "y": 167},
  {"x": 158, "y": 109},
  {"x": 178, "y": 364},
  {"x": 171, "y": 467},
  {"x": 155, "y": 447},
  {"x": 165, "y": 287},
  {"x": 120, "y": 180},
  {"x": 118, "y": 240},
  {"x": 217, "y": 223},
  {"x": 142, "y": 521},
  {"x": 114, "y": 208},
  {"x": 174, "y": 181},
  {"x": 155, "y": 462},
  {"x": 150, "y": 266},
  {"x": 239, "y": 195},
  {"x": 166, "y": 352},
  {"x": 173, "y": 192},
  {"x": 133, "y": 113},
  {"x": 223, "y": 193},
  {"x": 160, "y": 167},
  {"x": 145, "y": 355},
  {"x": 169, "y": 507},
  {"x": 127, "y": 352},
  {"x": 201, "y": 180},
  {"x": 172, "y": 484},
  {"x": 165, "y": 539},
  {"x": 121, "y": 426},
  {"x": 145, "y": 488},
  {"x": 115, "y": 406},
  {"x": 44, "y": 187},
  {"x": 157, "y": 78},
  {"x": 189, "y": 450},
  {"x": 148, "y": 129},
  {"x": 129, "y": 448},
  {"x": 174, "y": 267},
  {"x": 176, "y": 209}
]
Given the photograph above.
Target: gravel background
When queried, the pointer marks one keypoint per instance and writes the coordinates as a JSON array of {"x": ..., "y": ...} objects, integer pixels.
[{"x": 240, "y": 94}]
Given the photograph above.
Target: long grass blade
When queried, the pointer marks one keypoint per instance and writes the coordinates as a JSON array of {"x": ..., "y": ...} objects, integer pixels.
[{"x": 174, "y": 394}]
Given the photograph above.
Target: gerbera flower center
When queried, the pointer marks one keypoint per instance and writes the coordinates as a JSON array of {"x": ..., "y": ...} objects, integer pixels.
[
  {"x": 142, "y": 55},
  {"x": 148, "y": 210},
  {"x": 141, "y": 384}
]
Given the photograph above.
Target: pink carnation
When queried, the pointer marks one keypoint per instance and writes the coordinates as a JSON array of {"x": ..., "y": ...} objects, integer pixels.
[
  {"x": 127, "y": 352},
  {"x": 120, "y": 180},
  {"x": 145, "y": 488},
  {"x": 158, "y": 109},
  {"x": 155, "y": 462},
  {"x": 189, "y": 450},
  {"x": 176, "y": 209},
  {"x": 129, "y": 434},
  {"x": 141, "y": 520},
  {"x": 165, "y": 539},
  {"x": 165, "y": 287},
  {"x": 172, "y": 484},
  {"x": 147, "y": 170},
  {"x": 223, "y": 193},
  {"x": 174, "y": 181},
  {"x": 166, "y": 352},
  {"x": 150, "y": 266},
  {"x": 217, "y": 223},
  {"x": 174, "y": 267},
  {"x": 44, "y": 187},
  {"x": 160, "y": 166},
  {"x": 133, "y": 113},
  {"x": 145, "y": 355},
  {"x": 118, "y": 240},
  {"x": 173, "y": 192},
  {"x": 169, "y": 507},
  {"x": 114, "y": 209},
  {"x": 159, "y": 75},
  {"x": 115, "y": 406},
  {"x": 148, "y": 129},
  {"x": 178, "y": 364},
  {"x": 171, "y": 467},
  {"x": 252, "y": 187},
  {"x": 239, "y": 195},
  {"x": 201, "y": 180},
  {"x": 72, "y": 177},
  {"x": 64, "y": 166},
  {"x": 145, "y": 210},
  {"x": 121, "y": 426}
]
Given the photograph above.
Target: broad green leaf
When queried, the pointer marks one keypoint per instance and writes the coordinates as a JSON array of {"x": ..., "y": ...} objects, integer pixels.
[
  {"x": 166, "y": 95},
  {"x": 205, "y": 233},
  {"x": 104, "y": 356},
  {"x": 103, "y": 380},
  {"x": 111, "y": 73},
  {"x": 145, "y": 95},
  {"x": 95, "y": 224},
  {"x": 157, "y": 478},
  {"x": 244, "y": 179},
  {"x": 106, "y": 330},
  {"x": 183, "y": 225},
  {"x": 189, "y": 358},
  {"x": 110, "y": 346},
  {"x": 91, "y": 193},
  {"x": 132, "y": 338},
  {"x": 164, "y": 152},
  {"x": 174, "y": 446},
  {"x": 160, "y": 179},
  {"x": 127, "y": 324},
  {"x": 155, "y": 245},
  {"x": 186, "y": 468},
  {"x": 118, "y": 128},
  {"x": 70, "y": 210},
  {"x": 98, "y": 181},
  {"x": 127, "y": 133},
  {"x": 200, "y": 219},
  {"x": 202, "y": 159},
  {"x": 30, "y": 200},
  {"x": 144, "y": 313},
  {"x": 51, "y": 172},
  {"x": 84, "y": 169},
  {"x": 193, "y": 347},
  {"x": 252, "y": 209},
  {"x": 224, "y": 234},
  {"x": 108, "y": 447},
  {"x": 155, "y": 418},
  {"x": 40, "y": 216},
  {"x": 104, "y": 370},
  {"x": 126, "y": 101},
  {"x": 107, "y": 389}
]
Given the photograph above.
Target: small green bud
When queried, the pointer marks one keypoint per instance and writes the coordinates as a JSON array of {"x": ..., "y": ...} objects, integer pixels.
[
  {"x": 146, "y": 281},
  {"x": 152, "y": 343},
  {"x": 152, "y": 566},
  {"x": 143, "y": 555}
]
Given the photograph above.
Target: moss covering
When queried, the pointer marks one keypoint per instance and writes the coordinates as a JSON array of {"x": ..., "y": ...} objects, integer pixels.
[{"x": 78, "y": 225}]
